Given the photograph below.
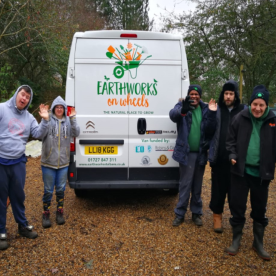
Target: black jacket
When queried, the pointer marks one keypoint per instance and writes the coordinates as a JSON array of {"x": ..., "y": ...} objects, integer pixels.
[
  {"x": 217, "y": 152},
  {"x": 238, "y": 138}
]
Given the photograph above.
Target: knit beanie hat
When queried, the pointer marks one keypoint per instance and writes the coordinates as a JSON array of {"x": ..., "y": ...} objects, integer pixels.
[
  {"x": 260, "y": 92},
  {"x": 195, "y": 87}
]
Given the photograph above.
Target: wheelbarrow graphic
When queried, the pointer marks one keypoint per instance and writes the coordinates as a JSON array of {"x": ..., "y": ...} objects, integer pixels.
[{"x": 128, "y": 59}]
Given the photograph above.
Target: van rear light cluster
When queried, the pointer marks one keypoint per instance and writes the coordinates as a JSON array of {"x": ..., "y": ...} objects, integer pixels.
[
  {"x": 72, "y": 139},
  {"x": 128, "y": 35}
]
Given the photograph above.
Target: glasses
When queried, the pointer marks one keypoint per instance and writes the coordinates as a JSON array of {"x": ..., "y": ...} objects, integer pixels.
[{"x": 59, "y": 107}]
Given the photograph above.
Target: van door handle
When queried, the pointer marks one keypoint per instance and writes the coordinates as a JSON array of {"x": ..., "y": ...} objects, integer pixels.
[{"x": 141, "y": 126}]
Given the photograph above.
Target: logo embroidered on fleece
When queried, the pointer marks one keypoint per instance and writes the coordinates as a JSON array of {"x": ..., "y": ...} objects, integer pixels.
[
  {"x": 16, "y": 127},
  {"x": 272, "y": 125}
]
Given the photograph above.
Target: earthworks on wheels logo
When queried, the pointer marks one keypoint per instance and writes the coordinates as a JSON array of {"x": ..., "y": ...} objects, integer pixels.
[{"x": 128, "y": 58}]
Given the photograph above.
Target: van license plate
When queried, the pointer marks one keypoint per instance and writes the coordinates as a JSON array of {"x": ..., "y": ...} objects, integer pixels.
[{"x": 102, "y": 150}]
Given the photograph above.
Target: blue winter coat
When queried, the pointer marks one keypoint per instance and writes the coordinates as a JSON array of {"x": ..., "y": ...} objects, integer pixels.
[{"x": 207, "y": 127}]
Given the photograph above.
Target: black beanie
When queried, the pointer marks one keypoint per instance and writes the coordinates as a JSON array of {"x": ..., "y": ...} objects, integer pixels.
[
  {"x": 195, "y": 87},
  {"x": 260, "y": 92}
]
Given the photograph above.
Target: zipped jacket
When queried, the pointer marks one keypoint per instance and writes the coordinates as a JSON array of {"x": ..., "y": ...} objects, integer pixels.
[
  {"x": 216, "y": 140},
  {"x": 56, "y": 143},
  {"x": 238, "y": 138},
  {"x": 217, "y": 143},
  {"x": 182, "y": 148}
]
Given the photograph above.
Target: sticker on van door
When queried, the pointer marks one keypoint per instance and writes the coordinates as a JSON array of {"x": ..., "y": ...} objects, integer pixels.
[
  {"x": 121, "y": 92},
  {"x": 128, "y": 59}
]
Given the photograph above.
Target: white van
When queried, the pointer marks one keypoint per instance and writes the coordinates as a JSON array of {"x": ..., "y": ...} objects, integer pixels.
[{"x": 123, "y": 85}]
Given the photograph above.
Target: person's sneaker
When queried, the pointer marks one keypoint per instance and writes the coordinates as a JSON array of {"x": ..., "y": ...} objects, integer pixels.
[
  {"x": 46, "y": 223},
  {"x": 59, "y": 217},
  {"x": 197, "y": 219},
  {"x": 27, "y": 231},
  {"x": 177, "y": 221},
  {"x": 3, "y": 241}
]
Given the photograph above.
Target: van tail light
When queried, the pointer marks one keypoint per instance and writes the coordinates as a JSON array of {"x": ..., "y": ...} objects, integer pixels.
[
  {"x": 72, "y": 140},
  {"x": 72, "y": 144}
]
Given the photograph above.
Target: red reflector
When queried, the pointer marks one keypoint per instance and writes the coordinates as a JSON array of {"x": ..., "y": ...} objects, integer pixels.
[
  {"x": 128, "y": 35},
  {"x": 71, "y": 174}
]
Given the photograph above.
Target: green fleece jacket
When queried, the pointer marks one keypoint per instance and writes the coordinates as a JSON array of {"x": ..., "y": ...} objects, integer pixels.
[{"x": 252, "y": 162}]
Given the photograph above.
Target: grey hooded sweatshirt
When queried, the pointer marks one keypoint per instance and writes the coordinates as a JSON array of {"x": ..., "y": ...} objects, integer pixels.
[
  {"x": 16, "y": 126},
  {"x": 56, "y": 144}
]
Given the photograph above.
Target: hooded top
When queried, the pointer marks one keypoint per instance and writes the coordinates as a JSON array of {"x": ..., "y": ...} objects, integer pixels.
[
  {"x": 230, "y": 85},
  {"x": 16, "y": 126},
  {"x": 56, "y": 143}
]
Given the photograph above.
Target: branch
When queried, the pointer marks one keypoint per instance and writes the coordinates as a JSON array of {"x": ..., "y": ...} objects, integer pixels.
[
  {"x": 16, "y": 46},
  {"x": 13, "y": 17}
]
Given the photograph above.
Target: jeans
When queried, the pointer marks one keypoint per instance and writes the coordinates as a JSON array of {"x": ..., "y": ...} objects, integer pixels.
[{"x": 52, "y": 178}]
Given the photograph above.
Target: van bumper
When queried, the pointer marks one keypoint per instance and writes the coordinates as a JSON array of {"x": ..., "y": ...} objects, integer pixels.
[{"x": 125, "y": 184}]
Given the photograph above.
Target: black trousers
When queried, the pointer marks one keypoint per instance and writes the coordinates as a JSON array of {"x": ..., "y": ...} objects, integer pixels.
[
  {"x": 240, "y": 186},
  {"x": 221, "y": 181}
]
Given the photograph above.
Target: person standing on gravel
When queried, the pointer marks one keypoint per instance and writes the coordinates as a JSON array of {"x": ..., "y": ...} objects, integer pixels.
[
  {"x": 251, "y": 143},
  {"x": 55, "y": 157},
  {"x": 194, "y": 120},
  {"x": 16, "y": 125},
  {"x": 228, "y": 106}
]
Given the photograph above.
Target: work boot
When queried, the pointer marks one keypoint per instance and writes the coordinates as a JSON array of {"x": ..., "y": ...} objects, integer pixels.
[
  {"x": 177, "y": 221},
  {"x": 27, "y": 231},
  {"x": 3, "y": 241},
  {"x": 217, "y": 223},
  {"x": 59, "y": 216},
  {"x": 237, "y": 234},
  {"x": 258, "y": 231},
  {"x": 46, "y": 223},
  {"x": 197, "y": 219}
]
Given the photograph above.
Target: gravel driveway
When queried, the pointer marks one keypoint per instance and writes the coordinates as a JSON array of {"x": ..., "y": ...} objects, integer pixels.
[{"x": 129, "y": 233}]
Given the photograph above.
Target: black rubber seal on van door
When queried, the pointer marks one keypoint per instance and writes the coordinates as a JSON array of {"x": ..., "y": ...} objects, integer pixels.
[{"x": 101, "y": 142}]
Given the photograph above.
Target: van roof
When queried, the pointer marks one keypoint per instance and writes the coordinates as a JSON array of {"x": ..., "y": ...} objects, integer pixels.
[{"x": 117, "y": 33}]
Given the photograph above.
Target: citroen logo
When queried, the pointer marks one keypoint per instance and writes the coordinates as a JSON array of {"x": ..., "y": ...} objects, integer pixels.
[{"x": 90, "y": 124}]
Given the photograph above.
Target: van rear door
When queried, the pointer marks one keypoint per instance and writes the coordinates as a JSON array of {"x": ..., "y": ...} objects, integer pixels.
[
  {"x": 157, "y": 83},
  {"x": 103, "y": 141}
]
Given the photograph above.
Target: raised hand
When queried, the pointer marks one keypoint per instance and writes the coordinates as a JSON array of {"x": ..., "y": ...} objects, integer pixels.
[
  {"x": 72, "y": 112},
  {"x": 233, "y": 162},
  {"x": 213, "y": 105},
  {"x": 186, "y": 105},
  {"x": 43, "y": 111}
]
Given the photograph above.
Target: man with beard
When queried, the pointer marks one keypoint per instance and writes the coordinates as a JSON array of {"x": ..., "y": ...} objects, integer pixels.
[{"x": 228, "y": 106}]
